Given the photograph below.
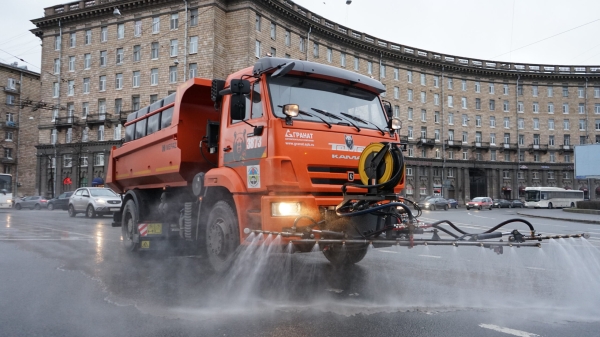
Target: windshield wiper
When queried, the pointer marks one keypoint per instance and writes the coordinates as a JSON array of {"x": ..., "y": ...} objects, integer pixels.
[
  {"x": 358, "y": 119},
  {"x": 330, "y": 115},
  {"x": 311, "y": 115}
]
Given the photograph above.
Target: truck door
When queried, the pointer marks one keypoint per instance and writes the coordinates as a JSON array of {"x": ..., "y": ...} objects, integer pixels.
[{"x": 245, "y": 145}]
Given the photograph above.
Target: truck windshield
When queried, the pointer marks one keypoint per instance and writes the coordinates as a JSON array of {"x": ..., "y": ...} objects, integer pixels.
[
  {"x": 331, "y": 97},
  {"x": 532, "y": 195}
]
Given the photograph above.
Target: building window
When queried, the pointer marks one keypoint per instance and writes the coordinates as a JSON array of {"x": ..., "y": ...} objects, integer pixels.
[
  {"x": 465, "y": 120},
  {"x": 492, "y": 105},
  {"x": 57, "y": 66},
  {"x": 369, "y": 67},
  {"x": 85, "y": 109},
  {"x": 450, "y": 83},
  {"x": 450, "y": 156},
  {"x": 492, "y": 122},
  {"x": 173, "y": 48},
  {"x": 53, "y": 136},
  {"x": 137, "y": 28},
  {"x": 257, "y": 51},
  {"x": 382, "y": 71},
  {"x": 505, "y": 91},
  {"x": 57, "y": 42},
  {"x": 71, "y": 63},
  {"x": 193, "y": 70},
  {"x": 436, "y": 81},
  {"x": 477, "y": 103},
  {"x": 329, "y": 55},
  {"x": 120, "y": 31},
  {"x": 101, "y": 133},
  {"x": 71, "y": 88},
  {"x": 536, "y": 123},
  {"x": 102, "y": 83},
  {"x": 566, "y": 124},
  {"x": 465, "y": 154},
  {"x": 567, "y": 140},
  {"x": 273, "y": 31},
  {"x": 118, "y": 81},
  {"x": 410, "y": 95},
  {"x": 597, "y": 123},
  {"x": 173, "y": 74},
  {"x": 88, "y": 37},
  {"x": 492, "y": 138},
  {"x": 423, "y": 115},
  {"x": 450, "y": 101},
  {"x": 69, "y": 136},
  {"x": 103, "y": 58},
  {"x": 507, "y": 122},
  {"x": 8, "y": 136},
  {"x": 193, "y": 17},
  {"x": 465, "y": 137},
  {"x": 451, "y": 118},
  {"x": 478, "y": 121},
  {"x": 410, "y": 132},
  {"x": 505, "y": 106},
  {"x": 536, "y": 107},
  {"x": 316, "y": 50},
  {"x": 550, "y": 108},
  {"x": 491, "y": 88},
  {"x": 120, "y": 56},
  {"x": 477, "y": 87},
  {"x": 436, "y": 117},
  {"x": 409, "y": 114},
  {"x": 118, "y": 106},
  {"x": 135, "y": 102},
  {"x": 423, "y": 79},
  {"x": 103, "y": 34},
  {"x": 581, "y": 108},
  {"x": 436, "y": 99},
  {"x": 423, "y": 97},
  {"x": 565, "y": 90},
  {"x": 521, "y": 123},
  {"x": 174, "y": 23},
  {"x": 87, "y": 61},
  {"x": 136, "y": 79},
  {"x": 550, "y": 91},
  {"x": 551, "y": 124},
  {"x": 463, "y": 102},
  {"x": 55, "y": 91},
  {"x": 155, "y": 25},
  {"x": 463, "y": 85},
  {"x": 302, "y": 46},
  {"x": 153, "y": 76},
  {"x": 99, "y": 159},
  {"x": 582, "y": 125},
  {"x": 409, "y": 76},
  {"x": 411, "y": 151},
  {"x": 596, "y": 92},
  {"x": 258, "y": 23},
  {"x": 580, "y": 92}
]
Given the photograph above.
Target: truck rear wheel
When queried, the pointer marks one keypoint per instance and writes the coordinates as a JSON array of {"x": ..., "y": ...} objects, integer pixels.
[
  {"x": 343, "y": 256},
  {"x": 222, "y": 236},
  {"x": 129, "y": 223}
]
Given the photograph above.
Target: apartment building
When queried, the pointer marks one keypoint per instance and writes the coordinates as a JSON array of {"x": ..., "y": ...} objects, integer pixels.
[
  {"x": 18, "y": 127},
  {"x": 473, "y": 127}
]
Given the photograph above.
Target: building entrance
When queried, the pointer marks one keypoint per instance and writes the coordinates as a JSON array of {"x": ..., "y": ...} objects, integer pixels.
[{"x": 478, "y": 182}]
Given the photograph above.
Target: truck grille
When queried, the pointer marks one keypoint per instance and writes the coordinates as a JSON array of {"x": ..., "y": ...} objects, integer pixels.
[{"x": 337, "y": 176}]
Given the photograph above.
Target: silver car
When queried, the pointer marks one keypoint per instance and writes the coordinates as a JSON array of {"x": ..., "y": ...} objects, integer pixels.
[{"x": 94, "y": 201}]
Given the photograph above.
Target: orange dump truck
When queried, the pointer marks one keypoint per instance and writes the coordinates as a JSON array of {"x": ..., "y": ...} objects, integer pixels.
[{"x": 276, "y": 148}]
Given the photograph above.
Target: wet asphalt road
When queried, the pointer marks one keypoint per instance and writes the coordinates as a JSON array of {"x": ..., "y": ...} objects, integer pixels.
[{"x": 69, "y": 277}]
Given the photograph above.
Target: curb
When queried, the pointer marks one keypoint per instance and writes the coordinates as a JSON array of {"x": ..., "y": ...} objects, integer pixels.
[{"x": 593, "y": 222}]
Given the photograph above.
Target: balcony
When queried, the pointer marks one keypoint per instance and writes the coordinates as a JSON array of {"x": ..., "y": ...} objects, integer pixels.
[
  {"x": 99, "y": 118},
  {"x": 565, "y": 148},
  {"x": 508, "y": 147},
  {"x": 481, "y": 145},
  {"x": 11, "y": 125},
  {"x": 426, "y": 142},
  {"x": 453, "y": 143},
  {"x": 538, "y": 147},
  {"x": 7, "y": 160},
  {"x": 65, "y": 121}
]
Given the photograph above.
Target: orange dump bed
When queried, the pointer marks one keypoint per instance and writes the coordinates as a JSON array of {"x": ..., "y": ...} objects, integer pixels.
[{"x": 162, "y": 143}]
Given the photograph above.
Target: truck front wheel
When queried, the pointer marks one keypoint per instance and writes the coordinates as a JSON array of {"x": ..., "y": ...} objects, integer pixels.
[
  {"x": 129, "y": 222},
  {"x": 345, "y": 255},
  {"x": 222, "y": 236}
]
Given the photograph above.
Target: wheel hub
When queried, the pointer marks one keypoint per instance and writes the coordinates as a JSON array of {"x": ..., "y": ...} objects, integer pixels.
[{"x": 216, "y": 237}]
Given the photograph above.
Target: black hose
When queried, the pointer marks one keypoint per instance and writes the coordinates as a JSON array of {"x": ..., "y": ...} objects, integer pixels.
[
  {"x": 509, "y": 221},
  {"x": 436, "y": 225}
]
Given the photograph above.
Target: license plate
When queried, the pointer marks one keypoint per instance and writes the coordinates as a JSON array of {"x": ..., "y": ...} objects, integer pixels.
[
  {"x": 145, "y": 244},
  {"x": 114, "y": 209},
  {"x": 154, "y": 228}
]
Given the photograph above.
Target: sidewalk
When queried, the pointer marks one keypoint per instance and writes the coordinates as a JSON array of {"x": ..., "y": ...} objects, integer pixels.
[{"x": 566, "y": 214}]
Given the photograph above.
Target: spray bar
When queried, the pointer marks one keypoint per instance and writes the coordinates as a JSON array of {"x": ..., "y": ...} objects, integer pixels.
[{"x": 418, "y": 242}]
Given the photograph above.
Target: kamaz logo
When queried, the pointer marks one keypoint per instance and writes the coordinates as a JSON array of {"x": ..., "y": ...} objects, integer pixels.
[{"x": 343, "y": 156}]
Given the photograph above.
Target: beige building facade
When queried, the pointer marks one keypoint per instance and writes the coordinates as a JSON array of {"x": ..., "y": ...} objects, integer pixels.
[
  {"x": 473, "y": 127},
  {"x": 18, "y": 127}
]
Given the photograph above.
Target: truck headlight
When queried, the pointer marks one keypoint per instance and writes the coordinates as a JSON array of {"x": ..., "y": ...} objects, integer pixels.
[{"x": 285, "y": 208}]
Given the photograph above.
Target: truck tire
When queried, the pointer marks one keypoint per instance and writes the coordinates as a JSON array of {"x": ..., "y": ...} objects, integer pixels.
[
  {"x": 90, "y": 212},
  {"x": 222, "y": 236},
  {"x": 129, "y": 223},
  {"x": 343, "y": 256}
]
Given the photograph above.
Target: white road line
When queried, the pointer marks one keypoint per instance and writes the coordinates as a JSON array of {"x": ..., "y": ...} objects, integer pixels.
[
  {"x": 385, "y": 251},
  {"x": 507, "y": 330},
  {"x": 534, "y": 268},
  {"x": 432, "y": 256}
]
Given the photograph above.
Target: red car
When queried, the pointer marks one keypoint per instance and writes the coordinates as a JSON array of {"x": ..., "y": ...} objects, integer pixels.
[{"x": 480, "y": 203}]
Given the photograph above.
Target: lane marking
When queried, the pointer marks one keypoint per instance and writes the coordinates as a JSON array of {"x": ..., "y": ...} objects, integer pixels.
[
  {"x": 386, "y": 251},
  {"x": 534, "y": 268},
  {"x": 507, "y": 330},
  {"x": 432, "y": 256}
]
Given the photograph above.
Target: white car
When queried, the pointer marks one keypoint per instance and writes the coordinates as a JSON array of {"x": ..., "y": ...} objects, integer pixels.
[{"x": 94, "y": 201}]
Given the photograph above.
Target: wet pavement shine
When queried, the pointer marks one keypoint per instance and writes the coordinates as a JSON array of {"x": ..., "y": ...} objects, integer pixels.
[{"x": 62, "y": 276}]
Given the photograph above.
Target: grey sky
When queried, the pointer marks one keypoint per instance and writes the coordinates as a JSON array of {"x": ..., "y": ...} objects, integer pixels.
[{"x": 485, "y": 29}]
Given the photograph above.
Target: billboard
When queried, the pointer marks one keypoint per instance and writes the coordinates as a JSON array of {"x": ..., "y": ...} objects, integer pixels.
[{"x": 587, "y": 161}]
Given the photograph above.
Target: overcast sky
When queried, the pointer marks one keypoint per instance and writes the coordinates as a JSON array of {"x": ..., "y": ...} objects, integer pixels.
[{"x": 529, "y": 31}]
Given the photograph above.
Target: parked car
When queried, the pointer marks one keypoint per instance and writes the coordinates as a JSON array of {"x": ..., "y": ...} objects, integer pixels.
[
  {"x": 501, "y": 203},
  {"x": 34, "y": 202},
  {"x": 480, "y": 203},
  {"x": 517, "y": 204},
  {"x": 94, "y": 201},
  {"x": 434, "y": 203},
  {"x": 452, "y": 203},
  {"x": 60, "y": 202}
]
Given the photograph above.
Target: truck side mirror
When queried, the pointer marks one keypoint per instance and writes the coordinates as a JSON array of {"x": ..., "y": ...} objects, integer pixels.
[
  {"x": 388, "y": 109},
  {"x": 240, "y": 87}
]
